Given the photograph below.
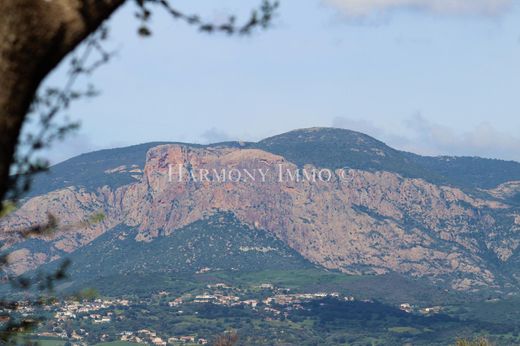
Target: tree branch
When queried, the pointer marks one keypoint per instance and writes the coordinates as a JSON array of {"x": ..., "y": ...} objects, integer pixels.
[{"x": 35, "y": 35}]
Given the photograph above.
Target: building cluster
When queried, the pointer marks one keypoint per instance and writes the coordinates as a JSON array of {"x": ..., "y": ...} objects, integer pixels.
[
  {"x": 102, "y": 311},
  {"x": 96, "y": 311},
  {"x": 87, "y": 310},
  {"x": 221, "y": 294},
  {"x": 274, "y": 302},
  {"x": 290, "y": 299},
  {"x": 406, "y": 307},
  {"x": 145, "y": 336}
]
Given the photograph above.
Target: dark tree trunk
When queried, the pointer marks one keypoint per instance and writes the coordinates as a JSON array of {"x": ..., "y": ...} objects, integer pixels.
[{"x": 35, "y": 35}]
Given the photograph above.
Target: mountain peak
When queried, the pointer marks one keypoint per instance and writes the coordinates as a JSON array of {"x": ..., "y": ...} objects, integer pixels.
[
  {"x": 336, "y": 148},
  {"x": 323, "y": 133},
  {"x": 324, "y": 147}
]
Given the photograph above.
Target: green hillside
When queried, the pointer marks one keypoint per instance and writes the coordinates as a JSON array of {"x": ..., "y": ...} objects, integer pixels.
[
  {"x": 338, "y": 148},
  {"x": 221, "y": 249},
  {"x": 469, "y": 172},
  {"x": 217, "y": 243}
]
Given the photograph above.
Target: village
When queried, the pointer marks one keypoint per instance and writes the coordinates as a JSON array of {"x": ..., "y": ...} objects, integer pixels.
[{"x": 271, "y": 301}]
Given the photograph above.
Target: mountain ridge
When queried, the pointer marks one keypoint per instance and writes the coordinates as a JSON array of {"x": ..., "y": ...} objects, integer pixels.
[
  {"x": 436, "y": 169},
  {"x": 372, "y": 221}
]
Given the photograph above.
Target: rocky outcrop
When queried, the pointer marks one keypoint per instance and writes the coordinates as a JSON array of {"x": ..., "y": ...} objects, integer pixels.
[{"x": 347, "y": 219}]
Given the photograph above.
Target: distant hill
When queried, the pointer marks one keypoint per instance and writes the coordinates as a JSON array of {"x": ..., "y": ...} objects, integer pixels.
[
  {"x": 89, "y": 170},
  {"x": 338, "y": 148},
  {"x": 217, "y": 243},
  {"x": 468, "y": 172},
  {"x": 322, "y": 147},
  {"x": 452, "y": 220}
]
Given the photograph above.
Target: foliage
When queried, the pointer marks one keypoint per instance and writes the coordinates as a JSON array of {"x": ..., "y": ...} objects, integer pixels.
[
  {"x": 47, "y": 105},
  {"x": 326, "y": 321},
  {"x": 220, "y": 242},
  {"x": 6, "y": 208},
  {"x": 475, "y": 342},
  {"x": 37, "y": 295},
  {"x": 228, "y": 339},
  {"x": 260, "y": 18},
  {"x": 38, "y": 289}
]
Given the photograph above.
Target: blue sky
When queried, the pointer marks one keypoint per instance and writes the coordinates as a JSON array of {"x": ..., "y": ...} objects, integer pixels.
[{"x": 428, "y": 76}]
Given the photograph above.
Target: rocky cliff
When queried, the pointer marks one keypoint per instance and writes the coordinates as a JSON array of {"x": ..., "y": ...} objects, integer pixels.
[{"x": 360, "y": 215}]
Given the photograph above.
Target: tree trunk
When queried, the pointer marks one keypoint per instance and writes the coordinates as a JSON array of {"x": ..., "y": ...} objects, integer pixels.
[{"x": 35, "y": 35}]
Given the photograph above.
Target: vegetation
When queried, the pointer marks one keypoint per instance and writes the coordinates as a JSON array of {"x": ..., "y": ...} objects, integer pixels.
[
  {"x": 35, "y": 37},
  {"x": 218, "y": 243},
  {"x": 328, "y": 321},
  {"x": 476, "y": 342},
  {"x": 339, "y": 148},
  {"x": 228, "y": 339}
]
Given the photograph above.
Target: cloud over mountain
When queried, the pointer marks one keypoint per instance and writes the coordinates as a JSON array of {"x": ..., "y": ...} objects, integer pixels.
[
  {"x": 214, "y": 135},
  {"x": 364, "y": 8},
  {"x": 422, "y": 136}
]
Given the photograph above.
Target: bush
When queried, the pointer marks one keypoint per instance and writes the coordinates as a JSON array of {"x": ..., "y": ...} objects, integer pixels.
[{"x": 475, "y": 342}]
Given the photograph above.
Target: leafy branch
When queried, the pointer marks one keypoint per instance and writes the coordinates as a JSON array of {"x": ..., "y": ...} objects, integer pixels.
[
  {"x": 261, "y": 17},
  {"x": 47, "y": 105}
]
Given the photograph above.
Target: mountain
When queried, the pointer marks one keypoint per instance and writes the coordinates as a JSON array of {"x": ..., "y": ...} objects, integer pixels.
[
  {"x": 92, "y": 170},
  {"x": 218, "y": 242},
  {"x": 338, "y": 148},
  {"x": 321, "y": 147},
  {"x": 335, "y": 198}
]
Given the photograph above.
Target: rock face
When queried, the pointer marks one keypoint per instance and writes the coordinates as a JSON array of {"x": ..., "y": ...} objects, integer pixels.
[{"x": 352, "y": 220}]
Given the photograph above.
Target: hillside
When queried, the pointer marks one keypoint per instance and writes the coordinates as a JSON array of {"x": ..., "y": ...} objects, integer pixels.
[
  {"x": 338, "y": 148},
  {"x": 321, "y": 147},
  {"x": 90, "y": 170},
  {"x": 217, "y": 243},
  {"x": 453, "y": 221}
]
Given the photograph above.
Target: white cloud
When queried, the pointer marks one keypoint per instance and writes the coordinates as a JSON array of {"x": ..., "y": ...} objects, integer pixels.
[
  {"x": 73, "y": 145},
  {"x": 214, "y": 135},
  {"x": 483, "y": 140},
  {"x": 365, "y": 8},
  {"x": 421, "y": 136}
]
